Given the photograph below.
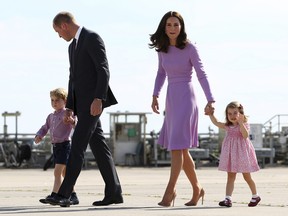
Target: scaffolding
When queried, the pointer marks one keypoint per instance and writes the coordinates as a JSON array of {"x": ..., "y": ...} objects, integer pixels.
[{"x": 128, "y": 137}]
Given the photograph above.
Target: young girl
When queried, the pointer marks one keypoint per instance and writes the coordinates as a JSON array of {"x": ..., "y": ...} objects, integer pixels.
[
  {"x": 237, "y": 152},
  {"x": 59, "y": 124}
]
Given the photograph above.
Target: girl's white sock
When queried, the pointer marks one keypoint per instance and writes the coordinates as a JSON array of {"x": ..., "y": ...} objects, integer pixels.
[{"x": 228, "y": 197}]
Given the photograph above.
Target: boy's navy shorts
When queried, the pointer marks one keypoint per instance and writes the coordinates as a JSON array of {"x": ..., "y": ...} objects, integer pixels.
[{"x": 61, "y": 152}]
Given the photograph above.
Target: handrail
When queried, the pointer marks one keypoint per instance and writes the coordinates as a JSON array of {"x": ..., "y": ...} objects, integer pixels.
[{"x": 278, "y": 121}]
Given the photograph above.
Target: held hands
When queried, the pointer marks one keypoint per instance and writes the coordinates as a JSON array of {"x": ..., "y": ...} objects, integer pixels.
[
  {"x": 68, "y": 117},
  {"x": 209, "y": 109},
  {"x": 155, "y": 105}
]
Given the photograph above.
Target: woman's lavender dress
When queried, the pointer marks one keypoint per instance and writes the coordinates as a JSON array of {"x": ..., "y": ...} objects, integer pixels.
[{"x": 180, "y": 127}]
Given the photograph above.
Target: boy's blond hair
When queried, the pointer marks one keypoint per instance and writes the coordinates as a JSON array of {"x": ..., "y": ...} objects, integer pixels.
[{"x": 59, "y": 93}]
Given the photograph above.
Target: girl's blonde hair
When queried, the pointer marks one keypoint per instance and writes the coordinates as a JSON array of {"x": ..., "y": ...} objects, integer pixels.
[
  {"x": 233, "y": 105},
  {"x": 59, "y": 93}
]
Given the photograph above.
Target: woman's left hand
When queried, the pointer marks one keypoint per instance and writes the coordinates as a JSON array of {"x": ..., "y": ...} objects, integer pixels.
[{"x": 209, "y": 108}]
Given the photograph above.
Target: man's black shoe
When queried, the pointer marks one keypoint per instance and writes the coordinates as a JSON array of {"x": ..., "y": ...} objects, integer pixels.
[
  {"x": 74, "y": 199},
  {"x": 109, "y": 201},
  {"x": 53, "y": 200},
  {"x": 65, "y": 202},
  {"x": 58, "y": 200},
  {"x": 46, "y": 199}
]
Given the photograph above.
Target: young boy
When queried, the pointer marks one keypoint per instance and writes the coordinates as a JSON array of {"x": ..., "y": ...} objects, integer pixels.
[{"x": 59, "y": 124}]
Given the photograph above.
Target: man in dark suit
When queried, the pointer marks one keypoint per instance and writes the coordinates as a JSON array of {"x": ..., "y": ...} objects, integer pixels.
[{"x": 88, "y": 94}]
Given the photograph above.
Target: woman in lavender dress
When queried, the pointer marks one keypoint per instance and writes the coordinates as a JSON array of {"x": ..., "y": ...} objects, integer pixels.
[{"x": 177, "y": 57}]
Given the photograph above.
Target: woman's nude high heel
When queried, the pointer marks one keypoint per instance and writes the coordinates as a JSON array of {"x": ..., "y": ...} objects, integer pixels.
[
  {"x": 194, "y": 202},
  {"x": 167, "y": 202}
]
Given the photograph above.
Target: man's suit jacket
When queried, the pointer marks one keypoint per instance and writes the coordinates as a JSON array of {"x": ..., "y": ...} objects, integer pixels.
[{"x": 89, "y": 73}]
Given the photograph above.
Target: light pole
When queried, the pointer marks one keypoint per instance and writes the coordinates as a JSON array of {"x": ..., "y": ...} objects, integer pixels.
[{"x": 7, "y": 114}]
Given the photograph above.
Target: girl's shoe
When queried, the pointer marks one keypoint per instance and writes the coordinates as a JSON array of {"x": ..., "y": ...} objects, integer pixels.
[
  {"x": 226, "y": 202},
  {"x": 194, "y": 202},
  {"x": 254, "y": 201},
  {"x": 167, "y": 202}
]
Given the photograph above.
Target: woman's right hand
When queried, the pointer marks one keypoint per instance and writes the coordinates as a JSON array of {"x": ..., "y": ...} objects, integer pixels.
[{"x": 155, "y": 105}]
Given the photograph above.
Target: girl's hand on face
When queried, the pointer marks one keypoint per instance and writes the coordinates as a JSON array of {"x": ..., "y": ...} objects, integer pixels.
[{"x": 240, "y": 118}]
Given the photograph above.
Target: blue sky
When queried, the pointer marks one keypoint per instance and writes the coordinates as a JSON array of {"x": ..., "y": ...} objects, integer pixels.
[{"x": 243, "y": 45}]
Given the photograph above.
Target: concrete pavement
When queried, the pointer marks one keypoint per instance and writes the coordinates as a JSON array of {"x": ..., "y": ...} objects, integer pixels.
[{"x": 20, "y": 190}]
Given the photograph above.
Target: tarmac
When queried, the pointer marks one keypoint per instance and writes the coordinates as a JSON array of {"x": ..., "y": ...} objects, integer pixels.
[{"x": 143, "y": 187}]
